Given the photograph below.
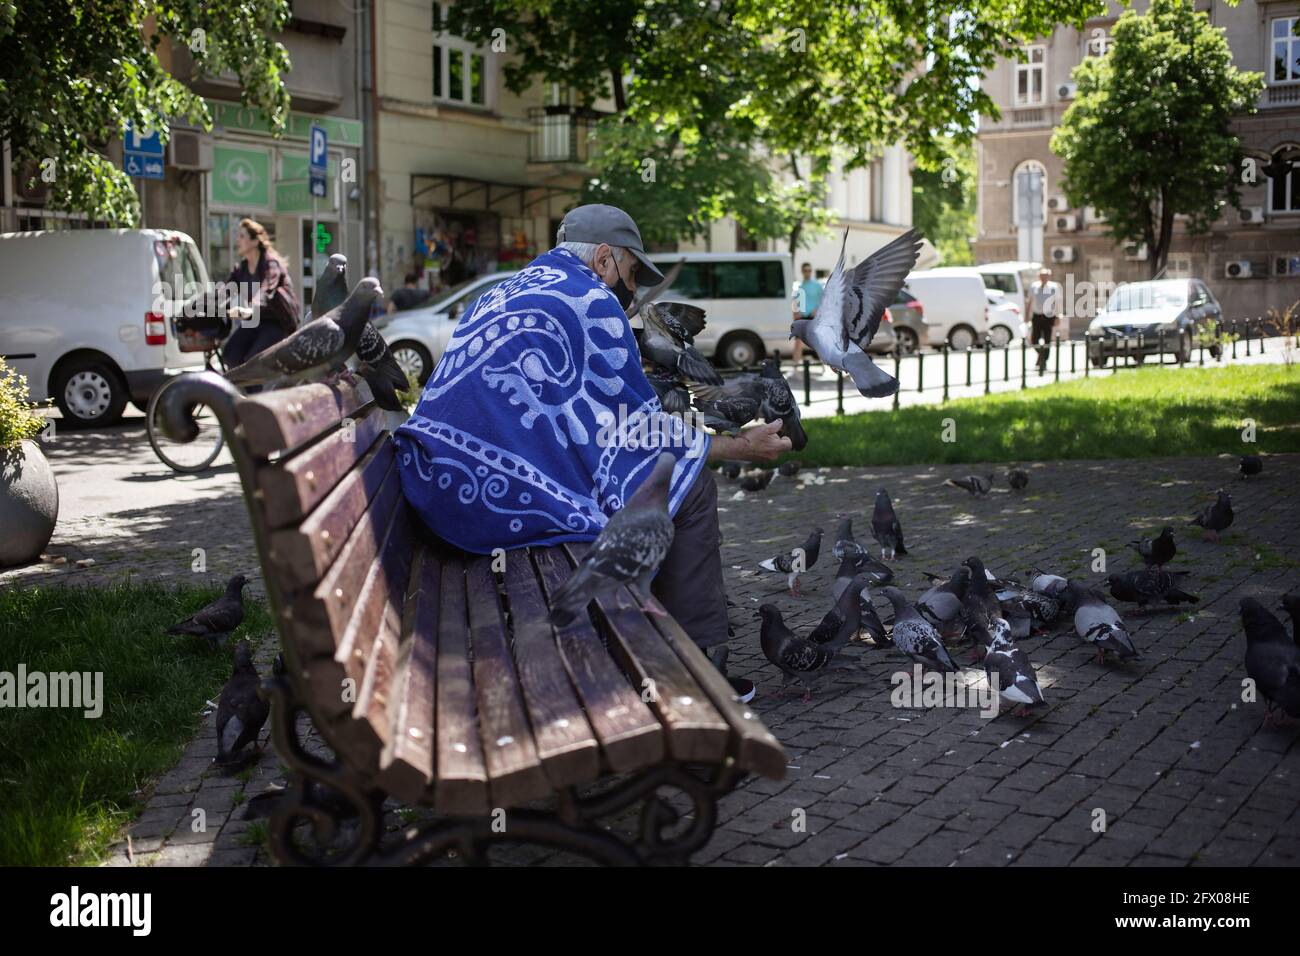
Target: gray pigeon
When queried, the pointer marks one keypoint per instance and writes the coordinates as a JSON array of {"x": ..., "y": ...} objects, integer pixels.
[
  {"x": 317, "y": 349},
  {"x": 240, "y": 711},
  {"x": 977, "y": 485},
  {"x": 1008, "y": 668},
  {"x": 1251, "y": 465},
  {"x": 1100, "y": 625},
  {"x": 1018, "y": 479},
  {"x": 796, "y": 657},
  {"x": 375, "y": 361},
  {"x": 1056, "y": 588},
  {"x": 852, "y": 554},
  {"x": 1291, "y": 602},
  {"x": 851, "y": 308},
  {"x": 1272, "y": 660},
  {"x": 331, "y": 285},
  {"x": 628, "y": 550},
  {"x": 1147, "y": 585},
  {"x": 214, "y": 622},
  {"x": 941, "y": 605},
  {"x": 673, "y": 396},
  {"x": 845, "y": 577},
  {"x": 1216, "y": 517},
  {"x": 756, "y": 479},
  {"x": 731, "y": 469},
  {"x": 885, "y": 527},
  {"x": 844, "y": 620},
  {"x": 789, "y": 468},
  {"x": 979, "y": 605},
  {"x": 916, "y": 637},
  {"x": 728, "y": 408},
  {"x": 668, "y": 329},
  {"x": 1156, "y": 551},
  {"x": 796, "y": 562}
]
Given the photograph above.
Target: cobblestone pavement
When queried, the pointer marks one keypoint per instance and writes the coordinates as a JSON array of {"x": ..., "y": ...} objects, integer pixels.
[{"x": 1161, "y": 749}]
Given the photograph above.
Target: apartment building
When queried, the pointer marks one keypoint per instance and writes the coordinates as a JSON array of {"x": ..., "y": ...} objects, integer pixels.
[{"x": 1251, "y": 259}]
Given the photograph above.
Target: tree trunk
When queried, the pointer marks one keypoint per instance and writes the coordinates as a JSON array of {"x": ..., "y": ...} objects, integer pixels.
[
  {"x": 797, "y": 231},
  {"x": 1161, "y": 255},
  {"x": 616, "y": 78}
]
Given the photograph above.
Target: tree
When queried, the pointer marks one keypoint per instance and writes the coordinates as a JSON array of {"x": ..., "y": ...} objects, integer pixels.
[
  {"x": 943, "y": 204},
  {"x": 741, "y": 106},
  {"x": 73, "y": 73},
  {"x": 1148, "y": 136}
]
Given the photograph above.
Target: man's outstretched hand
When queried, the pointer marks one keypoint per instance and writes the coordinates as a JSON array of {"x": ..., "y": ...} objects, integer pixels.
[{"x": 760, "y": 443}]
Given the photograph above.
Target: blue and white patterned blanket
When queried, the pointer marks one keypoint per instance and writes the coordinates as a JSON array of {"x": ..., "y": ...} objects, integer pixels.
[{"x": 538, "y": 422}]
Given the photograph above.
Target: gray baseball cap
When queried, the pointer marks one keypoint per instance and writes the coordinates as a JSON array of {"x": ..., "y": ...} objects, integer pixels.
[{"x": 597, "y": 222}]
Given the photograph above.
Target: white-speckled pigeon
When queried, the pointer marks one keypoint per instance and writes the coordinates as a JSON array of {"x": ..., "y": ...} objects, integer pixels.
[
  {"x": 375, "y": 361},
  {"x": 796, "y": 657},
  {"x": 1100, "y": 625},
  {"x": 1156, "y": 551},
  {"x": 214, "y": 622},
  {"x": 727, "y": 408},
  {"x": 916, "y": 637},
  {"x": 668, "y": 329},
  {"x": 628, "y": 550},
  {"x": 847, "y": 549},
  {"x": 852, "y": 305},
  {"x": 796, "y": 562},
  {"x": 241, "y": 713},
  {"x": 756, "y": 479},
  {"x": 1008, "y": 668},
  {"x": 1216, "y": 517},
  {"x": 316, "y": 350},
  {"x": 885, "y": 527},
  {"x": 1272, "y": 660}
]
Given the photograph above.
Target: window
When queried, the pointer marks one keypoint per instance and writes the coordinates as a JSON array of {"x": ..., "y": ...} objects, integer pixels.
[
  {"x": 1284, "y": 180},
  {"x": 1178, "y": 267},
  {"x": 748, "y": 280},
  {"x": 693, "y": 281},
  {"x": 1001, "y": 282},
  {"x": 459, "y": 67},
  {"x": 1286, "y": 50},
  {"x": 1031, "y": 77}
]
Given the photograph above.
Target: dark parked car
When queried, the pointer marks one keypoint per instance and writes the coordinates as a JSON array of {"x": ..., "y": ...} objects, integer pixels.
[{"x": 1142, "y": 318}]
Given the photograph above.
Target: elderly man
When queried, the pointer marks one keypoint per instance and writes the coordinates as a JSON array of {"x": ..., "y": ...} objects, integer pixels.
[
  {"x": 539, "y": 423},
  {"x": 1043, "y": 305}
]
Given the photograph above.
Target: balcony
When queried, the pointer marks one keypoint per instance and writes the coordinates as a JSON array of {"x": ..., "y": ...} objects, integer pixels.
[
  {"x": 1287, "y": 95},
  {"x": 560, "y": 134},
  {"x": 1029, "y": 117}
]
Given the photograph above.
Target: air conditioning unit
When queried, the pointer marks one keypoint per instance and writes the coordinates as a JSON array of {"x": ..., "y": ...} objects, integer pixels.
[
  {"x": 1136, "y": 252},
  {"x": 191, "y": 150},
  {"x": 1067, "y": 223},
  {"x": 1067, "y": 91},
  {"x": 1237, "y": 269},
  {"x": 1090, "y": 214},
  {"x": 1286, "y": 265},
  {"x": 1058, "y": 203},
  {"x": 1252, "y": 214},
  {"x": 1062, "y": 253}
]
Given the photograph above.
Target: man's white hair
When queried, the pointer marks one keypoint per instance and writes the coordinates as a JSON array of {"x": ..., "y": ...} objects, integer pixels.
[{"x": 586, "y": 251}]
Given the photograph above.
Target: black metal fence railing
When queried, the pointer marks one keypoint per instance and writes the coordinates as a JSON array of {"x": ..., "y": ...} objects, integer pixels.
[{"x": 1094, "y": 354}]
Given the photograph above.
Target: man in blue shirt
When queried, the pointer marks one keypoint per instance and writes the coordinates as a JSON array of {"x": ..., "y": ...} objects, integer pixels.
[
  {"x": 807, "y": 296},
  {"x": 538, "y": 422}
]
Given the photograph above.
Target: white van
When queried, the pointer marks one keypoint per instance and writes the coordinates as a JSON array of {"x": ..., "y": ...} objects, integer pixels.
[
  {"x": 746, "y": 296},
  {"x": 78, "y": 319},
  {"x": 955, "y": 307},
  {"x": 1012, "y": 278}
]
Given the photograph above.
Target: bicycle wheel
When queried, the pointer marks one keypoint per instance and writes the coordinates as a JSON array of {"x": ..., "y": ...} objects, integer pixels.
[{"x": 188, "y": 458}]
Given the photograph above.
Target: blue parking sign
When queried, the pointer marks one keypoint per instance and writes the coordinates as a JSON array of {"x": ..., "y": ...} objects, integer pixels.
[{"x": 318, "y": 161}]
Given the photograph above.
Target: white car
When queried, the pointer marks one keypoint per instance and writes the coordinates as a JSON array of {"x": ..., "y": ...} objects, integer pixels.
[
  {"x": 1004, "y": 318},
  {"x": 956, "y": 309},
  {"x": 419, "y": 336},
  {"x": 83, "y": 317},
  {"x": 1147, "y": 318}
]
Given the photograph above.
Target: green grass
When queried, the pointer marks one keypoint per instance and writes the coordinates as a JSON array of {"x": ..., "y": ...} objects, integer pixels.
[
  {"x": 68, "y": 783},
  {"x": 1140, "y": 413}
]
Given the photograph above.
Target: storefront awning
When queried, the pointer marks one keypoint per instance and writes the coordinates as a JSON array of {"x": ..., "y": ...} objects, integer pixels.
[{"x": 463, "y": 192}]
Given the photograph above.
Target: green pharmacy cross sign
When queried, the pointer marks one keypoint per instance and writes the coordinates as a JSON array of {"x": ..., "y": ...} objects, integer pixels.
[{"x": 323, "y": 238}]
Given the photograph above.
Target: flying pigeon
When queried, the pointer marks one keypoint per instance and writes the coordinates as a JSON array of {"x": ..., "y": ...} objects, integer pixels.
[
  {"x": 1157, "y": 551},
  {"x": 728, "y": 408},
  {"x": 1018, "y": 479},
  {"x": 1008, "y": 668},
  {"x": 214, "y": 622},
  {"x": 1251, "y": 465},
  {"x": 941, "y": 605},
  {"x": 885, "y": 527},
  {"x": 375, "y": 361},
  {"x": 1272, "y": 660},
  {"x": 756, "y": 479},
  {"x": 731, "y": 469},
  {"x": 240, "y": 711},
  {"x": 628, "y": 550},
  {"x": 796, "y": 562},
  {"x": 1215, "y": 517},
  {"x": 977, "y": 485},
  {"x": 789, "y": 468},
  {"x": 852, "y": 306},
  {"x": 1100, "y": 625},
  {"x": 1147, "y": 585},
  {"x": 1292, "y": 604},
  {"x": 673, "y": 396},
  {"x": 317, "y": 349},
  {"x": 669, "y": 329},
  {"x": 916, "y": 637},
  {"x": 794, "y": 656}
]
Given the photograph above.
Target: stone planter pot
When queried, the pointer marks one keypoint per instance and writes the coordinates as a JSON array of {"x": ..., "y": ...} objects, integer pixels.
[{"x": 29, "y": 503}]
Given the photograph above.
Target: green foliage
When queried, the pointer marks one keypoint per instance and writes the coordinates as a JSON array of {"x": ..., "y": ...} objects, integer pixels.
[
  {"x": 1148, "y": 135},
  {"x": 943, "y": 203},
  {"x": 69, "y": 782},
  {"x": 73, "y": 73},
  {"x": 17, "y": 420},
  {"x": 722, "y": 96}
]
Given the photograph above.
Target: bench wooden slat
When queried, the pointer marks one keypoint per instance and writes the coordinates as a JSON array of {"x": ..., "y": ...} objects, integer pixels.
[
  {"x": 515, "y": 772},
  {"x": 696, "y": 731},
  {"x": 630, "y": 734},
  {"x": 305, "y": 552},
  {"x": 406, "y": 765},
  {"x": 293, "y": 488},
  {"x": 286, "y": 418},
  {"x": 566, "y": 743},
  {"x": 461, "y": 783}
]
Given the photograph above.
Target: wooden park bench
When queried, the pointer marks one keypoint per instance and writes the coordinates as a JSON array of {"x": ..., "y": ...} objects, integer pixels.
[{"x": 435, "y": 677}]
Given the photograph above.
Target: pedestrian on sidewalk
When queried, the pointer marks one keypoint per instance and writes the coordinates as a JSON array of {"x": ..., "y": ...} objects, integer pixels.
[
  {"x": 807, "y": 296},
  {"x": 1044, "y": 307}
]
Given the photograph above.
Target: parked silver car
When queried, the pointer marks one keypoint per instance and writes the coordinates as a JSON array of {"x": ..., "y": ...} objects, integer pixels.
[{"x": 1142, "y": 318}]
